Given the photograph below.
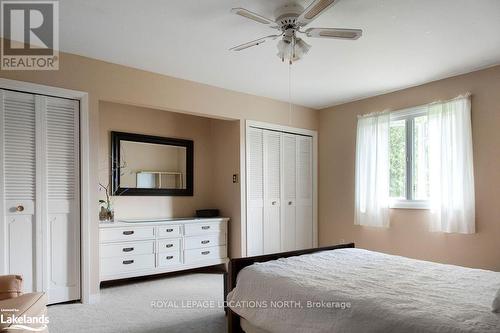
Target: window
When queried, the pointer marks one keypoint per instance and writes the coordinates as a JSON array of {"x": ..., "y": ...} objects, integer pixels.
[
  {"x": 409, "y": 159},
  {"x": 417, "y": 158}
]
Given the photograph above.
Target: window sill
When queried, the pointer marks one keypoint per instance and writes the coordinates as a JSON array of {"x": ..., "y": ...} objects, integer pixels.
[{"x": 409, "y": 204}]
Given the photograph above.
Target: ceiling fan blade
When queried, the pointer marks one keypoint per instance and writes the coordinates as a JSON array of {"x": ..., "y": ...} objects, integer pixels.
[
  {"x": 254, "y": 17},
  {"x": 351, "y": 34},
  {"x": 315, "y": 9},
  {"x": 253, "y": 43}
]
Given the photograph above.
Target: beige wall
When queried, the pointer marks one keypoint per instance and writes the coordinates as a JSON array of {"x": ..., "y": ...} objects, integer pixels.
[
  {"x": 408, "y": 234},
  {"x": 114, "y": 83},
  {"x": 125, "y": 118},
  {"x": 226, "y": 194},
  {"x": 216, "y": 159}
]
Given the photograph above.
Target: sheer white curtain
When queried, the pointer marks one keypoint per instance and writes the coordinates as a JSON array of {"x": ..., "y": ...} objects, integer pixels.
[
  {"x": 451, "y": 170},
  {"x": 372, "y": 170}
]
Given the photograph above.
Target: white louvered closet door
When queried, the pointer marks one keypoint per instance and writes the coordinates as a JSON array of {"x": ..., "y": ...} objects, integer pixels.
[
  {"x": 39, "y": 204},
  {"x": 255, "y": 191},
  {"x": 289, "y": 184},
  {"x": 304, "y": 203},
  {"x": 18, "y": 186},
  {"x": 280, "y": 193},
  {"x": 62, "y": 193},
  {"x": 272, "y": 192}
]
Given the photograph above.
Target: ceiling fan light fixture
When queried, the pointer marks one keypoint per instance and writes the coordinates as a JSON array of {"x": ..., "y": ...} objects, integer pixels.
[
  {"x": 292, "y": 50},
  {"x": 289, "y": 20},
  {"x": 301, "y": 48},
  {"x": 283, "y": 50}
]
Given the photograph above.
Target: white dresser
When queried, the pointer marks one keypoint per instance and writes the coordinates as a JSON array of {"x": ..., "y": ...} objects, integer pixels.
[{"x": 136, "y": 248}]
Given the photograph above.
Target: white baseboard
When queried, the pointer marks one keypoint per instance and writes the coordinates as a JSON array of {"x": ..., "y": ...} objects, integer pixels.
[{"x": 94, "y": 298}]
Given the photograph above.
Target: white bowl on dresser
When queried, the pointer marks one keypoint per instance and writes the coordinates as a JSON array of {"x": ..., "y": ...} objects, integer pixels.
[{"x": 131, "y": 248}]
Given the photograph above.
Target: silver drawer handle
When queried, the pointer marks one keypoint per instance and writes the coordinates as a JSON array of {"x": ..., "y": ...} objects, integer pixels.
[
  {"x": 205, "y": 252},
  {"x": 130, "y": 232},
  {"x": 19, "y": 208},
  {"x": 205, "y": 242},
  {"x": 169, "y": 257},
  {"x": 169, "y": 245},
  {"x": 127, "y": 262},
  {"x": 205, "y": 227},
  {"x": 128, "y": 249},
  {"x": 169, "y": 230}
]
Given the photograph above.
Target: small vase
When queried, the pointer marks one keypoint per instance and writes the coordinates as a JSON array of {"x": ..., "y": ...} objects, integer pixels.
[{"x": 106, "y": 214}]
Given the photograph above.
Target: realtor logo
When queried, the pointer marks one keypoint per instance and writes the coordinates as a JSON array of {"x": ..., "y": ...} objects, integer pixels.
[{"x": 30, "y": 35}]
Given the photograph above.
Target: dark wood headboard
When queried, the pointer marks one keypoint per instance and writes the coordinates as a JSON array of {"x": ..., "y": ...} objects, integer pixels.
[{"x": 236, "y": 265}]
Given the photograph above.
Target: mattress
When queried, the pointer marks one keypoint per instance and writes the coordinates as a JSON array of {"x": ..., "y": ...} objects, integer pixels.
[
  {"x": 247, "y": 327},
  {"x": 355, "y": 290}
]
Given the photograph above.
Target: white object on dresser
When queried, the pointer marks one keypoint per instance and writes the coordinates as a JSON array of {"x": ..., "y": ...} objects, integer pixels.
[{"x": 144, "y": 247}]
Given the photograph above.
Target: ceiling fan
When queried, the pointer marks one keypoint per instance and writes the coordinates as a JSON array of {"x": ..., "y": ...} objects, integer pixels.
[{"x": 291, "y": 20}]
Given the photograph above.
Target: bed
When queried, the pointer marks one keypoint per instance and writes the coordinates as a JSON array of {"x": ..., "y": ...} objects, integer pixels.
[{"x": 344, "y": 289}]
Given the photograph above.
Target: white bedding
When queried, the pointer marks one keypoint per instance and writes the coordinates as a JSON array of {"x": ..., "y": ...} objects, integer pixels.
[{"x": 386, "y": 294}]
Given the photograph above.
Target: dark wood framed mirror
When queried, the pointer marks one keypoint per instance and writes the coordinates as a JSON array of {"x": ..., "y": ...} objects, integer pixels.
[{"x": 151, "y": 165}]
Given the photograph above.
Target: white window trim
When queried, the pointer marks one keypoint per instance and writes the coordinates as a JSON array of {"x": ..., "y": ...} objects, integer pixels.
[
  {"x": 409, "y": 113},
  {"x": 406, "y": 114},
  {"x": 409, "y": 204}
]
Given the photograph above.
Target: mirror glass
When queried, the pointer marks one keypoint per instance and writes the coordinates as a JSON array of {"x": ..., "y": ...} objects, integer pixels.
[{"x": 152, "y": 166}]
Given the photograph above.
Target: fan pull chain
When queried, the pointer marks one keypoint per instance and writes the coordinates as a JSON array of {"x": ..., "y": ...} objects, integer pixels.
[{"x": 290, "y": 106}]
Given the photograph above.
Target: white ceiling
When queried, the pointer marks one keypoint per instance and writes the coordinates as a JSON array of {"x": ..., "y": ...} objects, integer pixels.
[{"x": 405, "y": 43}]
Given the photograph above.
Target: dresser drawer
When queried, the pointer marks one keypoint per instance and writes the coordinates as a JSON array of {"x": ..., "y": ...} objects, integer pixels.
[
  {"x": 169, "y": 245},
  {"x": 201, "y": 228},
  {"x": 126, "y": 234},
  {"x": 129, "y": 248},
  {"x": 169, "y": 231},
  {"x": 169, "y": 259},
  {"x": 196, "y": 242},
  {"x": 124, "y": 264},
  {"x": 214, "y": 252}
]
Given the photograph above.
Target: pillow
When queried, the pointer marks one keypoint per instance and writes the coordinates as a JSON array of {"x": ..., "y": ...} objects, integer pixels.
[{"x": 496, "y": 303}]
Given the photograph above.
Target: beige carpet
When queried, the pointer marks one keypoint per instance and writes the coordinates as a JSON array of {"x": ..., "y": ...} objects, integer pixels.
[{"x": 127, "y": 307}]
